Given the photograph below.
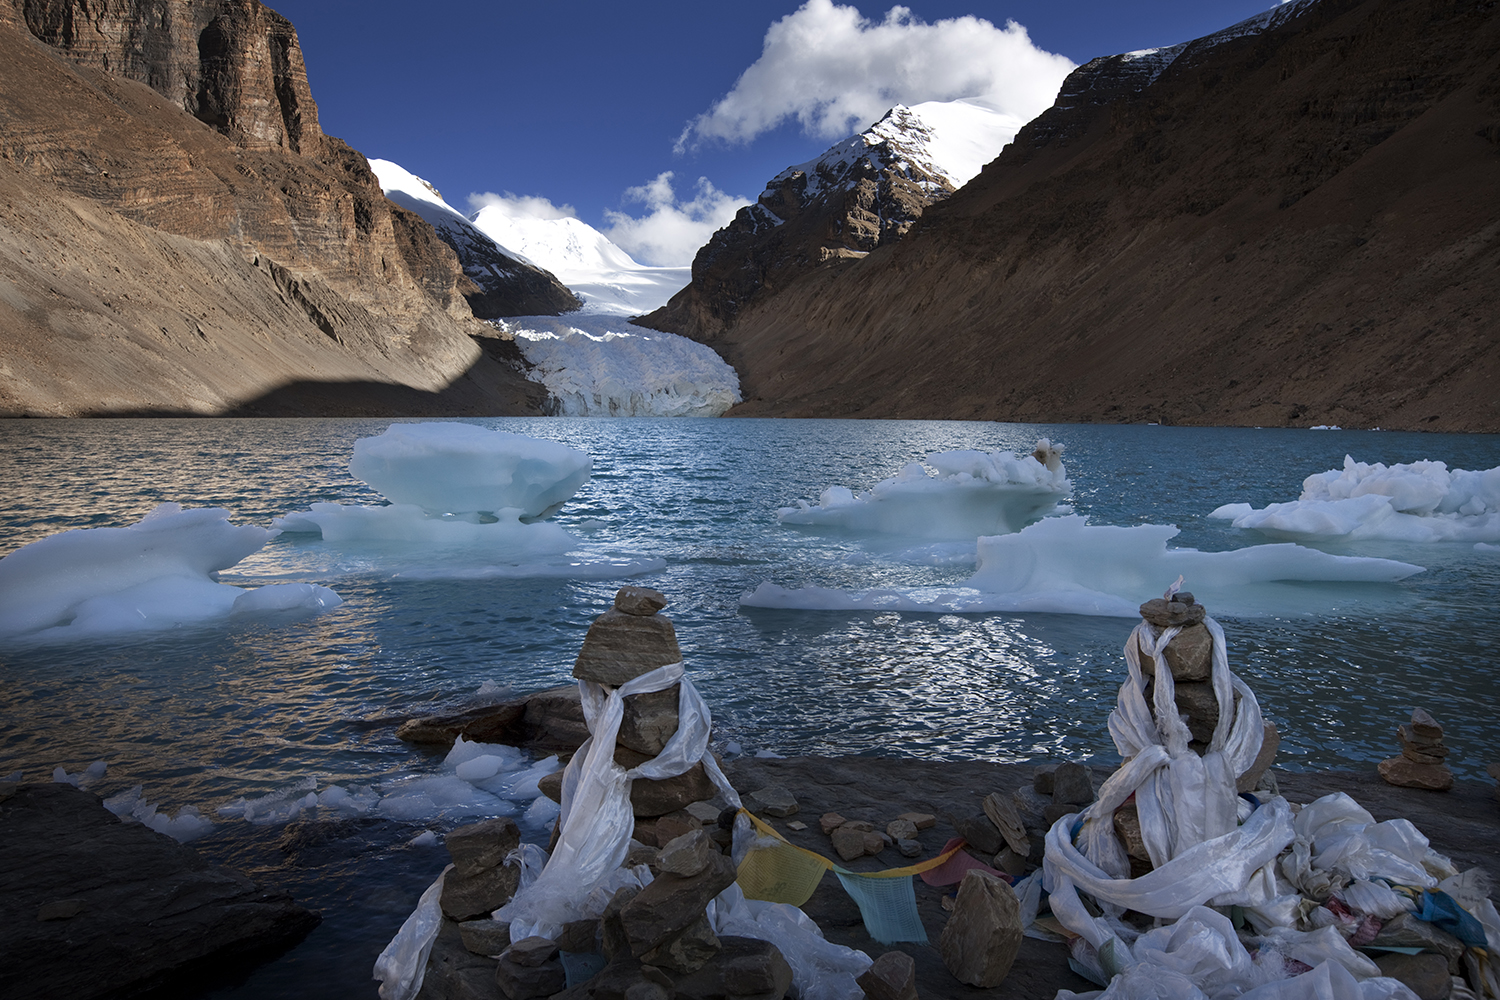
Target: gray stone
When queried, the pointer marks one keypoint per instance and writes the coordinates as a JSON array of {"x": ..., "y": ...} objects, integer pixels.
[
  {"x": 909, "y": 848},
  {"x": 1269, "y": 744},
  {"x": 674, "y": 825},
  {"x": 638, "y": 853},
  {"x": 980, "y": 834},
  {"x": 1128, "y": 828},
  {"x": 532, "y": 952},
  {"x": 922, "y": 821},
  {"x": 651, "y": 798},
  {"x": 901, "y": 829},
  {"x": 704, "y": 812},
  {"x": 1012, "y": 863},
  {"x": 774, "y": 800},
  {"x": 1409, "y": 774},
  {"x": 554, "y": 720},
  {"x": 642, "y": 601},
  {"x": 647, "y": 991},
  {"x": 1164, "y": 614},
  {"x": 1424, "y": 974},
  {"x": 1190, "y": 654},
  {"x": 1072, "y": 785},
  {"x": 686, "y": 952},
  {"x": 579, "y": 936},
  {"x": 529, "y": 982},
  {"x": 1057, "y": 810},
  {"x": 479, "y": 847},
  {"x": 983, "y": 935},
  {"x": 892, "y": 977},
  {"x": 454, "y": 972},
  {"x": 475, "y": 896},
  {"x": 1405, "y": 930},
  {"x": 686, "y": 855},
  {"x": 649, "y": 720},
  {"x": 875, "y": 843},
  {"x": 486, "y": 936},
  {"x": 550, "y": 785},
  {"x": 849, "y": 843},
  {"x": 745, "y": 969},
  {"x": 619, "y": 647},
  {"x": 1041, "y": 779},
  {"x": 1424, "y": 725},
  {"x": 1001, "y": 811},
  {"x": 673, "y": 903},
  {"x": 1197, "y": 701},
  {"x": 862, "y": 825},
  {"x": 613, "y": 940}
]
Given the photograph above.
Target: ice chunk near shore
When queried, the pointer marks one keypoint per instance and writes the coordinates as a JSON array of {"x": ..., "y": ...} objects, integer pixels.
[
  {"x": 602, "y": 366},
  {"x": 132, "y": 807},
  {"x": 973, "y": 493},
  {"x": 1063, "y": 565},
  {"x": 158, "y": 573},
  {"x": 1416, "y": 502}
]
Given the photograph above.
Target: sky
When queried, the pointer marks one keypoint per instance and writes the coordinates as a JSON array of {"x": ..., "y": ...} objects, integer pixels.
[{"x": 654, "y": 121}]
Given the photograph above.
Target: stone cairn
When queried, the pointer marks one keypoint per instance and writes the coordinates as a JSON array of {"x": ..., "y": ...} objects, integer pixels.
[
  {"x": 653, "y": 943},
  {"x": 1422, "y": 754}
]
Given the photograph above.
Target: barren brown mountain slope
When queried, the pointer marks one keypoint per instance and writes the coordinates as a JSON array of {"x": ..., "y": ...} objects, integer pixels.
[
  {"x": 201, "y": 246},
  {"x": 1295, "y": 227}
]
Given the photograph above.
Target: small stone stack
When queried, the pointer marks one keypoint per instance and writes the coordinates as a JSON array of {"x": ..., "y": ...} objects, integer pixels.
[
  {"x": 480, "y": 881},
  {"x": 1190, "y": 658},
  {"x": 1422, "y": 754},
  {"x": 858, "y": 838},
  {"x": 625, "y": 642}
]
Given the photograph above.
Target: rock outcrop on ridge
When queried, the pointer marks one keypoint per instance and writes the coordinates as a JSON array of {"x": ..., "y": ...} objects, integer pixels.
[
  {"x": 177, "y": 234},
  {"x": 863, "y": 193},
  {"x": 1291, "y": 223}
]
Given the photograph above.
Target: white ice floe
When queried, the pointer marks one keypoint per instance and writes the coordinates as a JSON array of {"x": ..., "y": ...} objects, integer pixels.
[
  {"x": 477, "y": 779},
  {"x": 132, "y": 807},
  {"x": 1417, "y": 502},
  {"x": 601, "y": 366},
  {"x": 461, "y": 492},
  {"x": 973, "y": 493},
  {"x": 158, "y": 573},
  {"x": 1064, "y": 565}
]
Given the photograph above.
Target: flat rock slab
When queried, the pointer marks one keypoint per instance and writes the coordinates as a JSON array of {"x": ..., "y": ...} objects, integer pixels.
[
  {"x": 1463, "y": 823},
  {"x": 145, "y": 909}
]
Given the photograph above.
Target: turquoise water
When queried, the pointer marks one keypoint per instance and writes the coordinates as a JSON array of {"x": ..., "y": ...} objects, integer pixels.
[{"x": 202, "y": 716}]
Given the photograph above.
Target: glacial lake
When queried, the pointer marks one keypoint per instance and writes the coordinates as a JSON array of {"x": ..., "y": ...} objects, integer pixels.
[{"x": 208, "y": 715}]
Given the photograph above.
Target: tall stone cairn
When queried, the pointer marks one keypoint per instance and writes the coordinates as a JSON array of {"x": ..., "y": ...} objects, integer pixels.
[
  {"x": 1421, "y": 764},
  {"x": 1190, "y": 658},
  {"x": 625, "y": 642}
]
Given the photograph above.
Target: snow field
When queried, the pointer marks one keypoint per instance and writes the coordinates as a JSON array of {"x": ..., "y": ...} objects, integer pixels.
[{"x": 1418, "y": 502}]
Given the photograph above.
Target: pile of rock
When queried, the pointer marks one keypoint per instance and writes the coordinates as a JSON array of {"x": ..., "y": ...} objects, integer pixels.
[
  {"x": 858, "y": 838},
  {"x": 1421, "y": 764},
  {"x": 1190, "y": 658}
]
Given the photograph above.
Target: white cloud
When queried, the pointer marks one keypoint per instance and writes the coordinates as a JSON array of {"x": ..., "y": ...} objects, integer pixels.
[
  {"x": 517, "y": 206},
  {"x": 835, "y": 71},
  {"x": 672, "y": 230}
]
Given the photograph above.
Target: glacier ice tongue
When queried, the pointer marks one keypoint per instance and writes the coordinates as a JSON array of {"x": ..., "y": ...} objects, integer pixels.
[
  {"x": 1064, "y": 565},
  {"x": 460, "y": 468},
  {"x": 1408, "y": 502},
  {"x": 155, "y": 574},
  {"x": 974, "y": 493}
]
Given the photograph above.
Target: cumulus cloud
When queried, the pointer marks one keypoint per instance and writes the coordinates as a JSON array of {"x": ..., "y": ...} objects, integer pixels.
[
  {"x": 671, "y": 230},
  {"x": 836, "y": 71},
  {"x": 517, "y": 206}
]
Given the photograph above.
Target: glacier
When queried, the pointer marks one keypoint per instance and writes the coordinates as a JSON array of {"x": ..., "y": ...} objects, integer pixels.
[
  {"x": 158, "y": 573},
  {"x": 1420, "y": 502},
  {"x": 1064, "y": 565},
  {"x": 974, "y": 493}
]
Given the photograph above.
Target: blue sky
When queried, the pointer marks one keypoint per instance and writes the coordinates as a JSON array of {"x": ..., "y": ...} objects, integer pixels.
[{"x": 585, "y": 104}]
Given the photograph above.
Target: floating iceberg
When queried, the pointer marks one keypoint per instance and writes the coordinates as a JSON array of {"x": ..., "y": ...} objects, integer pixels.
[
  {"x": 477, "y": 779},
  {"x": 1416, "y": 502},
  {"x": 974, "y": 493},
  {"x": 155, "y": 574},
  {"x": 461, "y": 493},
  {"x": 1064, "y": 565},
  {"x": 601, "y": 366}
]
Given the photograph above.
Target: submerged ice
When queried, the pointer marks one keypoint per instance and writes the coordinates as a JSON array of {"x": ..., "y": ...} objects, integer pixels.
[
  {"x": 158, "y": 573},
  {"x": 1417, "y": 502},
  {"x": 973, "y": 493},
  {"x": 1064, "y": 565}
]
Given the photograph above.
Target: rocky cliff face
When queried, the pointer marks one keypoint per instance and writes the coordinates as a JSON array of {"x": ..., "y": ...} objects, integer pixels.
[
  {"x": 148, "y": 145},
  {"x": 862, "y": 193},
  {"x": 1290, "y": 223}
]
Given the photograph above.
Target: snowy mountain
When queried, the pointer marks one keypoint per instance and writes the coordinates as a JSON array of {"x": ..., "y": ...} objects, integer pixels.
[
  {"x": 863, "y": 192},
  {"x": 506, "y": 283},
  {"x": 608, "y": 279}
]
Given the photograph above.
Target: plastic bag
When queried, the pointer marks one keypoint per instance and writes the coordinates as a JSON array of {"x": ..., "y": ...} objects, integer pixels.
[
  {"x": 402, "y": 965},
  {"x": 821, "y": 970}
]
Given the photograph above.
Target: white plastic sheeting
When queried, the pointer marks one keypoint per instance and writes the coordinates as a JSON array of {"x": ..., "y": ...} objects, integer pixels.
[{"x": 402, "y": 965}]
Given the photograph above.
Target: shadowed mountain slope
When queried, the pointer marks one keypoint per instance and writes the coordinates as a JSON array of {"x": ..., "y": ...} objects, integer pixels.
[{"x": 1293, "y": 224}]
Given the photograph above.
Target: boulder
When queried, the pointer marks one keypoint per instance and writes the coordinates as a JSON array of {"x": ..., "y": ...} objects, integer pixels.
[
  {"x": 688, "y": 951},
  {"x": 143, "y": 906},
  {"x": 672, "y": 903},
  {"x": 485, "y": 936},
  {"x": 1072, "y": 784},
  {"x": 980, "y": 834},
  {"x": 545, "y": 720},
  {"x": 686, "y": 855},
  {"x": 613, "y": 940},
  {"x": 522, "y": 974},
  {"x": 674, "y": 825},
  {"x": 479, "y": 847},
  {"x": 620, "y": 647},
  {"x": 983, "y": 935},
  {"x": 892, "y": 977},
  {"x": 901, "y": 829},
  {"x": 652, "y": 798},
  {"x": 744, "y": 969},
  {"x": 649, "y": 720},
  {"x": 1190, "y": 654},
  {"x": 1002, "y": 812},
  {"x": 579, "y": 936},
  {"x": 474, "y": 896},
  {"x": 455, "y": 972},
  {"x": 1409, "y": 774},
  {"x": 1406, "y": 930},
  {"x": 1425, "y": 974}
]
